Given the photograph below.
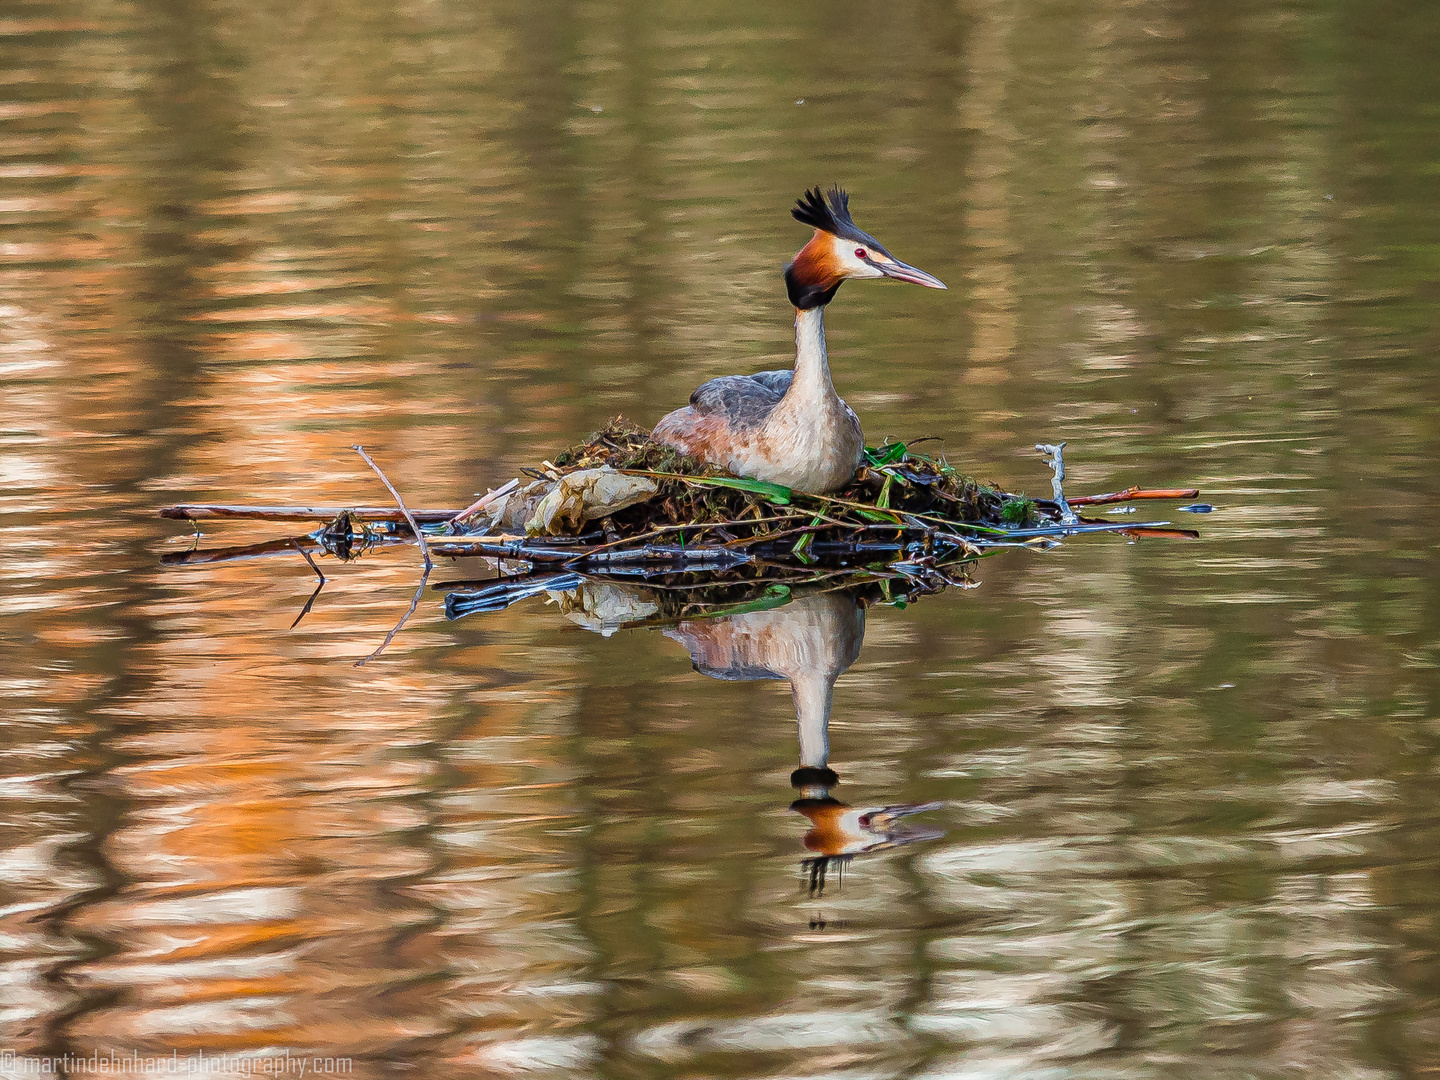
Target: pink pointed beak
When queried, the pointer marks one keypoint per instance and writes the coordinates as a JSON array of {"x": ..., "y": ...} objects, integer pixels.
[{"x": 904, "y": 272}]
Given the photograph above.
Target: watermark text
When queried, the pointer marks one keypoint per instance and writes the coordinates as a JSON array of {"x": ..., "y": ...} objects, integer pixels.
[{"x": 199, "y": 1063}]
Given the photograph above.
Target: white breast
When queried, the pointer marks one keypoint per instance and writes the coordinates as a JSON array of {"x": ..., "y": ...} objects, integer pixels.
[{"x": 816, "y": 451}]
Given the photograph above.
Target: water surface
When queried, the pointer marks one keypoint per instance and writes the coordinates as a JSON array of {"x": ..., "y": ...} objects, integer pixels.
[{"x": 1187, "y": 808}]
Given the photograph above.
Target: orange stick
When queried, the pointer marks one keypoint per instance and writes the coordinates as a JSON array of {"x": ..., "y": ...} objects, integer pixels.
[{"x": 1135, "y": 493}]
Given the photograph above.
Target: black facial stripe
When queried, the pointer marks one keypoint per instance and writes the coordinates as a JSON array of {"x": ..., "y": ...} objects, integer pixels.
[{"x": 805, "y": 296}]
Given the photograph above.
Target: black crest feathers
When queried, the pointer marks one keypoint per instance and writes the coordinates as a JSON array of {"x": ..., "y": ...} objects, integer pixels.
[{"x": 831, "y": 213}]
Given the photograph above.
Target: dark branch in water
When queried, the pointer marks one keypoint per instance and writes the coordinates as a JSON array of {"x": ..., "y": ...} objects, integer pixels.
[
  {"x": 220, "y": 511},
  {"x": 308, "y": 603},
  {"x": 235, "y": 552}
]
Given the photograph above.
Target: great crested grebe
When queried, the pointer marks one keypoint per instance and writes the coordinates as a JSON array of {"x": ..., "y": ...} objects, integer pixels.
[{"x": 790, "y": 427}]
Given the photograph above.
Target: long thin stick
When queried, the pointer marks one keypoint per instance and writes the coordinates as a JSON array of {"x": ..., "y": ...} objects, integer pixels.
[
  {"x": 210, "y": 511},
  {"x": 702, "y": 526},
  {"x": 424, "y": 551},
  {"x": 484, "y": 502},
  {"x": 1059, "y": 532},
  {"x": 198, "y": 556},
  {"x": 224, "y": 511},
  {"x": 409, "y": 518},
  {"x": 801, "y": 530},
  {"x": 501, "y": 547},
  {"x": 1135, "y": 493},
  {"x": 699, "y": 481},
  {"x": 414, "y": 603},
  {"x": 1163, "y": 534},
  {"x": 907, "y": 513}
]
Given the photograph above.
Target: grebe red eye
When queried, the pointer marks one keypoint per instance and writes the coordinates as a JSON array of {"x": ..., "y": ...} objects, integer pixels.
[{"x": 859, "y": 253}]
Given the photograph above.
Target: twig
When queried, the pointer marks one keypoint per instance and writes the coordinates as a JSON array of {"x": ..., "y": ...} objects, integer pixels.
[
  {"x": 932, "y": 518},
  {"x": 1163, "y": 534},
  {"x": 209, "y": 511},
  {"x": 670, "y": 553},
  {"x": 414, "y": 603},
  {"x": 681, "y": 527},
  {"x": 424, "y": 551},
  {"x": 1059, "y": 532},
  {"x": 1135, "y": 493},
  {"x": 799, "y": 530},
  {"x": 1056, "y": 461},
  {"x": 199, "y": 556},
  {"x": 483, "y": 502},
  {"x": 821, "y": 516},
  {"x": 409, "y": 518},
  {"x": 503, "y": 547},
  {"x": 308, "y": 603}
]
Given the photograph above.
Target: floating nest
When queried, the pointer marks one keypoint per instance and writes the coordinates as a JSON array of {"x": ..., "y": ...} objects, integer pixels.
[
  {"x": 619, "y": 501},
  {"x": 620, "y": 506},
  {"x": 708, "y": 543},
  {"x": 670, "y": 505}
]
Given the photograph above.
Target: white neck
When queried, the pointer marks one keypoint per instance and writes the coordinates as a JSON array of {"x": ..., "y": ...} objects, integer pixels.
[
  {"x": 812, "y": 369},
  {"x": 814, "y": 692}
]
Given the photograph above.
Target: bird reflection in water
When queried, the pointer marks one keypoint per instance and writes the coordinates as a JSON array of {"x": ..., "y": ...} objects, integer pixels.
[{"x": 810, "y": 640}]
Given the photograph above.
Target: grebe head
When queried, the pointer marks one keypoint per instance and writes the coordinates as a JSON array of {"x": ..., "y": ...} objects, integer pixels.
[{"x": 839, "y": 251}]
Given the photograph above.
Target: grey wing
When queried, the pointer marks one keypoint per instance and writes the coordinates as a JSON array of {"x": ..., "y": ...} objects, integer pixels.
[
  {"x": 744, "y": 400},
  {"x": 776, "y": 381}
]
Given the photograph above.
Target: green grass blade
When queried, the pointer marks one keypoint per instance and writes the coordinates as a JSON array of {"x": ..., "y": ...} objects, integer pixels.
[
  {"x": 883, "y": 502},
  {"x": 775, "y": 493},
  {"x": 885, "y": 455},
  {"x": 801, "y": 550}
]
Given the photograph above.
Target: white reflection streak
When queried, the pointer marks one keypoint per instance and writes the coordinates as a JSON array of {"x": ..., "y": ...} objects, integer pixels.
[{"x": 786, "y": 1031}]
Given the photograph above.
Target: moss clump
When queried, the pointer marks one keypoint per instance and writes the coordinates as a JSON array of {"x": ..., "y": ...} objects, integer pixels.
[
  {"x": 1017, "y": 510},
  {"x": 622, "y": 445}
]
